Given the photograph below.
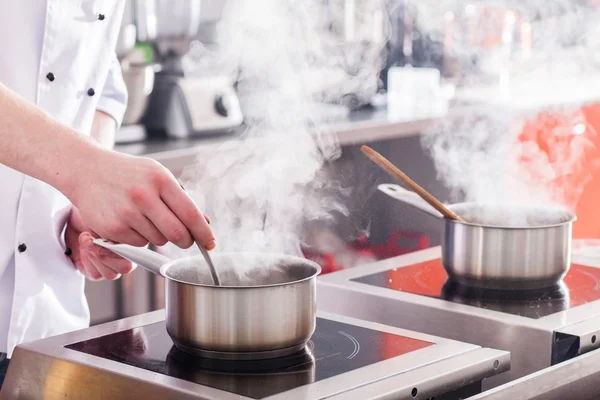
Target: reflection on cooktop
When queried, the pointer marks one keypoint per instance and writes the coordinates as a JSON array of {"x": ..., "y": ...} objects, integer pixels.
[
  {"x": 334, "y": 349},
  {"x": 581, "y": 285},
  {"x": 533, "y": 304}
]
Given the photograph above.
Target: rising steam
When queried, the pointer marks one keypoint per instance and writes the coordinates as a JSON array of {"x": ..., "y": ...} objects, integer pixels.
[
  {"x": 293, "y": 71},
  {"x": 295, "y": 67},
  {"x": 546, "y": 61}
]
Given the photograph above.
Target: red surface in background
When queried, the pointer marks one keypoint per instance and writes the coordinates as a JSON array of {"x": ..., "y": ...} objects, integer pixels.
[
  {"x": 545, "y": 131},
  {"x": 588, "y": 224},
  {"x": 399, "y": 243},
  {"x": 427, "y": 278}
]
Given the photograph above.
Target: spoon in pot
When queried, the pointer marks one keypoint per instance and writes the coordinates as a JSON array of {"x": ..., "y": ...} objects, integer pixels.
[
  {"x": 207, "y": 257},
  {"x": 403, "y": 178},
  {"x": 211, "y": 266}
]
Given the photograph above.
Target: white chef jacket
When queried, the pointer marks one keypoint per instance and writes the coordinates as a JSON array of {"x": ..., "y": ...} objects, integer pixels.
[{"x": 60, "y": 55}]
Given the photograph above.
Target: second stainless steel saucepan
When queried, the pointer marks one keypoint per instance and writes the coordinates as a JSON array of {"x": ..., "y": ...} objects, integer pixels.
[
  {"x": 503, "y": 247},
  {"x": 264, "y": 308}
]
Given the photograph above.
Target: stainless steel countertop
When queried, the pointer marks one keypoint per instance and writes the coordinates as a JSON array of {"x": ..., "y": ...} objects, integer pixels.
[
  {"x": 576, "y": 378},
  {"x": 47, "y": 369},
  {"x": 529, "y": 340}
]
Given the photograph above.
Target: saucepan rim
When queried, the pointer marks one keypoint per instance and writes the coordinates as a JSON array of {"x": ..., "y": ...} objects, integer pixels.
[
  {"x": 569, "y": 218},
  {"x": 300, "y": 261}
]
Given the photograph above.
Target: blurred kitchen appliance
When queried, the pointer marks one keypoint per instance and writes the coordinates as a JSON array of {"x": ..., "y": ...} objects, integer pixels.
[
  {"x": 138, "y": 73},
  {"x": 409, "y": 43},
  {"x": 353, "y": 47},
  {"x": 181, "y": 105}
]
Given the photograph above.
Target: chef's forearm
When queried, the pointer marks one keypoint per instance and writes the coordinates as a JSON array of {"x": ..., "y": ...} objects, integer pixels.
[
  {"x": 34, "y": 143},
  {"x": 104, "y": 129}
]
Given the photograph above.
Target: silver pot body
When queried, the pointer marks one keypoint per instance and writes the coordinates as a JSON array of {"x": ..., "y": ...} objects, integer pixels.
[
  {"x": 504, "y": 247},
  {"x": 241, "y": 319},
  {"x": 266, "y": 306},
  {"x": 506, "y": 258}
]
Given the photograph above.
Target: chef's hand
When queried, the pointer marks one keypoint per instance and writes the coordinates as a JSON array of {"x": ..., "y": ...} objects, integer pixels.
[
  {"x": 94, "y": 262},
  {"x": 135, "y": 200}
]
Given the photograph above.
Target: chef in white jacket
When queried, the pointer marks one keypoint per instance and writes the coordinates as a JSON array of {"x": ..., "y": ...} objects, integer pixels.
[{"x": 61, "y": 99}]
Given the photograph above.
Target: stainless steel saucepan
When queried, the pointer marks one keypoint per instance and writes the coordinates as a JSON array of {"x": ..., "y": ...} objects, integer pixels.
[
  {"x": 264, "y": 308},
  {"x": 502, "y": 247}
]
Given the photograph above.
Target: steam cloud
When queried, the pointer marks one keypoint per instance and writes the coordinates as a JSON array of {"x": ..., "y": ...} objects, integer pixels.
[
  {"x": 502, "y": 153},
  {"x": 293, "y": 71},
  {"x": 291, "y": 68}
]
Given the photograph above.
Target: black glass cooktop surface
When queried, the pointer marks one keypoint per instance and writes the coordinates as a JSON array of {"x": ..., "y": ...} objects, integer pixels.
[
  {"x": 335, "y": 348},
  {"x": 580, "y": 286}
]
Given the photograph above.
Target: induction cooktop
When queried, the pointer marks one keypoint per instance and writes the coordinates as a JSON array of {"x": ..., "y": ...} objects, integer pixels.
[
  {"x": 581, "y": 285},
  {"x": 334, "y": 349}
]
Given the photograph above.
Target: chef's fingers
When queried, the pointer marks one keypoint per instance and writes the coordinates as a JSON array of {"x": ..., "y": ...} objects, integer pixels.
[
  {"x": 103, "y": 255},
  {"x": 90, "y": 270},
  {"x": 106, "y": 272},
  {"x": 148, "y": 230},
  {"x": 207, "y": 219},
  {"x": 119, "y": 265},
  {"x": 125, "y": 233},
  {"x": 162, "y": 223},
  {"x": 130, "y": 237},
  {"x": 182, "y": 205},
  {"x": 86, "y": 241},
  {"x": 170, "y": 226}
]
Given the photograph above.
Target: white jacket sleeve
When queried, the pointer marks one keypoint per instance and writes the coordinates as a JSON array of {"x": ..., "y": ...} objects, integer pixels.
[{"x": 114, "y": 96}]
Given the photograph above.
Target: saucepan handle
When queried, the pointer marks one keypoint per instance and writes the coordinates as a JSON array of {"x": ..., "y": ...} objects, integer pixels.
[
  {"x": 145, "y": 258},
  {"x": 407, "y": 197}
]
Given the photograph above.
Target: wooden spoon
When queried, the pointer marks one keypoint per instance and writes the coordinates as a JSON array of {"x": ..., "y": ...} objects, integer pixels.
[{"x": 401, "y": 176}]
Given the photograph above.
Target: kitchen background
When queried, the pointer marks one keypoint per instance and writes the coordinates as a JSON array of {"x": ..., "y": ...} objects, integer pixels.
[{"x": 438, "y": 87}]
